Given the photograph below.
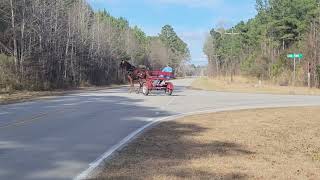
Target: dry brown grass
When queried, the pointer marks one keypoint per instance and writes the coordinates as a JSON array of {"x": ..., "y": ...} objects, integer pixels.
[
  {"x": 250, "y": 144},
  {"x": 242, "y": 84},
  {"x": 22, "y": 96}
]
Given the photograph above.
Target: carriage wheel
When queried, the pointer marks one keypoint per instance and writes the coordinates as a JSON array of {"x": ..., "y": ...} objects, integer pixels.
[{"x": 145, "y": 89}]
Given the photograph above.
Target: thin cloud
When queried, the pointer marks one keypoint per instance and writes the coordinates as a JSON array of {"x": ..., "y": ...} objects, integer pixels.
[
  {"x": 104, "y": 1},
  {"x": 195, "y": 40},
  {"x": 189, "y": 3},
  {"x": 107, "y": 1},
  {"x": 193, "y": 35}
]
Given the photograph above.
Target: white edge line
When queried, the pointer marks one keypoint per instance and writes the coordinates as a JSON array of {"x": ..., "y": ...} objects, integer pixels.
[
  {"x": 95, "y": 164},
  {"x": 92, "y": 166}
]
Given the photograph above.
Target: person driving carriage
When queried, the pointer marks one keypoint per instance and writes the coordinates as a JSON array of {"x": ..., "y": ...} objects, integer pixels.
[{"x": 166, "y": 69}]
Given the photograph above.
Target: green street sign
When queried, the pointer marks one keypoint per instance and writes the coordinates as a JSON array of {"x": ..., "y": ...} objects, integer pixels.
[
  {"x": 292, "y": 56},
  {"x": 300, "y": 56}
]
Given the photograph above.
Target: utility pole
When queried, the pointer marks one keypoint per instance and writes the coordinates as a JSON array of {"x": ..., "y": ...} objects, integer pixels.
[
  {"x": 232, "y": 63},
  {"x": 309, "y": 75}
]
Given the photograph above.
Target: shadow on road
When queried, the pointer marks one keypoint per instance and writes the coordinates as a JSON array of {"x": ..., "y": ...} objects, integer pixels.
[
  {"x": 167, "y": 152},
  {"x": 73, "y": 132}
]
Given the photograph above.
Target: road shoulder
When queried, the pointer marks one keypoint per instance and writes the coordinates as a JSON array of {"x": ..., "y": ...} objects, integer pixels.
[
  {"x": 25, "y": 96},
  {"x": 263, "y": 143},
  {"x": 243, "y": 85}
]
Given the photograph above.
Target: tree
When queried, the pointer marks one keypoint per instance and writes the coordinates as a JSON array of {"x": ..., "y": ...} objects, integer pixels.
[
  {"x": 64, "y": 43},
  {"x": 279, "y": 28},
  {"x": 177, "y": 50}
]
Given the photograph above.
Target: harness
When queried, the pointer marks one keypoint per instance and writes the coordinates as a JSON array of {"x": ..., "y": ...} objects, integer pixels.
[{"x": 130, "y": 71}]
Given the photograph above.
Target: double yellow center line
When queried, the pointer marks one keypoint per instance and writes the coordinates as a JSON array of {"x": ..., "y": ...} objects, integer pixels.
[{"x": 32, "y": 118}]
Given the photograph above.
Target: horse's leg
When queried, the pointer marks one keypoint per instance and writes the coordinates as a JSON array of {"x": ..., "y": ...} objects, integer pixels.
[
  {"x": 140, "y": 86},
  {"x": 131, "y": 83}
]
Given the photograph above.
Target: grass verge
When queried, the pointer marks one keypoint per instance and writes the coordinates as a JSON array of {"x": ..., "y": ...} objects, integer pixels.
[
  {"x": 22, "y": 96},
  {"x": 241, "y": 84},
  {"x": 248, "y": 144}
]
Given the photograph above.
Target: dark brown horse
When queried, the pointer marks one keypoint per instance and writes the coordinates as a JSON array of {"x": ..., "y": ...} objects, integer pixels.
[{"x": 134, "y": 74}]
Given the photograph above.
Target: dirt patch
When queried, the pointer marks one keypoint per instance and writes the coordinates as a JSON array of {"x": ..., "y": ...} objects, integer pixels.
[
  {"x": 250, "y": 144},
  {"x": 241, "y": 84}
]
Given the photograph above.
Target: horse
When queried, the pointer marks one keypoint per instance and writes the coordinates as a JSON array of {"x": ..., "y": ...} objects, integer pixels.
[{"x": 134, "y": 74}]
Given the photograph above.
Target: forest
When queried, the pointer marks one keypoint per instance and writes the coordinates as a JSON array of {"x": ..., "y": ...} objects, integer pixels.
[
  {"x": 259, "y": 47},
  {"x": 47, "y": 44}
]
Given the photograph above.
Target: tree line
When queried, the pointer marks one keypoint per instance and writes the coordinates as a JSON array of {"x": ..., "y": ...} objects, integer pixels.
[
  {"x": 47, "y": 44},
  {"x": 259, "y": 47}
]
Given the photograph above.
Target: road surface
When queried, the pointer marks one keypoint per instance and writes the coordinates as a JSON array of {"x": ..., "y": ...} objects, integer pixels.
[{"x": 58, "y": 138}]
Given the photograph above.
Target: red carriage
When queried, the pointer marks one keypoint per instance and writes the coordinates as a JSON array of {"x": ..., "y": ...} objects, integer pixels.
[{"x": 158, "y": 80}]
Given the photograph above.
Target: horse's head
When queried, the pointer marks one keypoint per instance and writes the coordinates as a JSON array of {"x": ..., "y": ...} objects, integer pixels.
[
  {"x": 126, "y": 65},
  {"x": 122, "y": 64}
]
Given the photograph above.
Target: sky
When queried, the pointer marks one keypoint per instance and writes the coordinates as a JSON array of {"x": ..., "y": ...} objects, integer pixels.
[{"x": 191, "y": 19}]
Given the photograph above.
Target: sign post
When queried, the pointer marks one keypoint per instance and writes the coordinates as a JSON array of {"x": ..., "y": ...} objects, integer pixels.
[
  {"x": 309, "y": 75},
  {"x": 294, "y": 70},
  {"x": 294, "y": 56}
]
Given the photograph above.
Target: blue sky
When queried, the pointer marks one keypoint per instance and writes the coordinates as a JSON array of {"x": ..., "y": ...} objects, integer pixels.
[{"x": 191, "y": 19}]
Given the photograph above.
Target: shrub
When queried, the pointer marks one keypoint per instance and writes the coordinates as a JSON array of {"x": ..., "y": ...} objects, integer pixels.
[
  {"x": 318, "y": 74},
  {"x": 8, "y": 80}
]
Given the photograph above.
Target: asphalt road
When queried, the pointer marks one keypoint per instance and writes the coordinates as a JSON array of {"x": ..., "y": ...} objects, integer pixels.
[{"x": 58, "y": 138}]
